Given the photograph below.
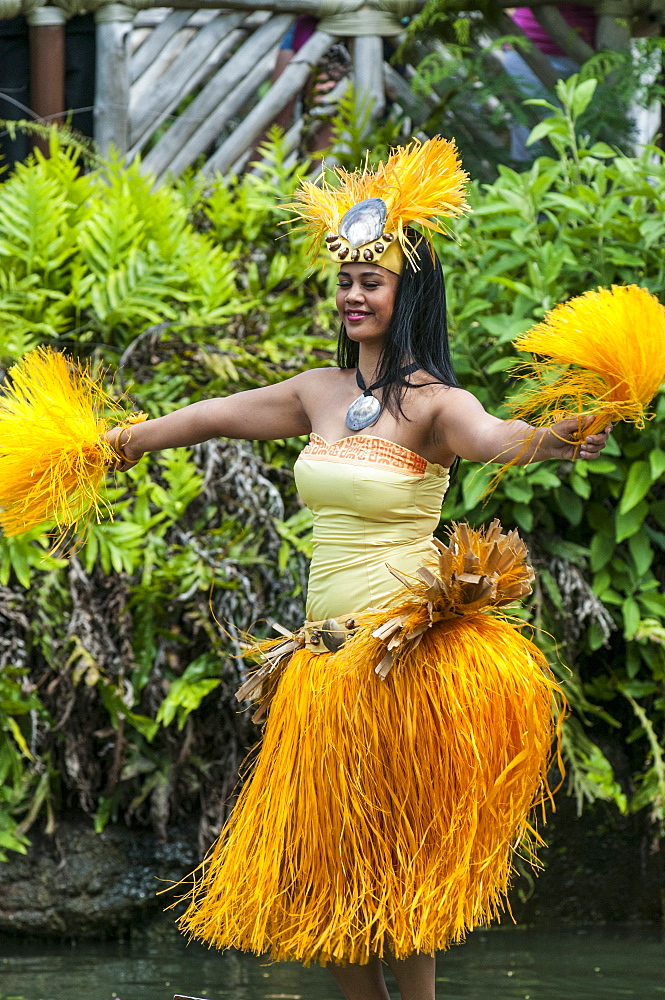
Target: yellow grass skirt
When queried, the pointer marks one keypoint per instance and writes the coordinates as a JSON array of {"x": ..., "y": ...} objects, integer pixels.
[{"x": 384, "y": 815}]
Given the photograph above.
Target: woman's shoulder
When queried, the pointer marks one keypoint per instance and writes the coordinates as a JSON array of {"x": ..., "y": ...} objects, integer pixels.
[
  {"x": 443, "y": 404},
  {"x": 325, "y": 376},
  {"x": 439, "y": 392},
  {"x": 453, "y": 399},
  {"x": 324, "y": 372}
]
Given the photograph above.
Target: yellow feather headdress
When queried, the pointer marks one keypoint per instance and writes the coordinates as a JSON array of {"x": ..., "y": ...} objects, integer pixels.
[
  {"x": 600, "y": 354},
  {"x": 52, "y": 456},
  {"x": 366, "y": 216}
]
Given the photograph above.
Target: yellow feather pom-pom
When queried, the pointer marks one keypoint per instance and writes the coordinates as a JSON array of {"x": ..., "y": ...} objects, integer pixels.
[
  {"x": 602, "y": 353},
  {"x": 52, "y": 457}
]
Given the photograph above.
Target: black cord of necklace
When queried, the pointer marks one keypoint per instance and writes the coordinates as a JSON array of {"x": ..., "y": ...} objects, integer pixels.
[{"x": 367, "y": 390}]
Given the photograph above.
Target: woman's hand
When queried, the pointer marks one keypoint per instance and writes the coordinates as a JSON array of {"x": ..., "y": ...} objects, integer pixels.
[
  {"x": 120, "y": 440},
  {"x": 566, "y": 440}
]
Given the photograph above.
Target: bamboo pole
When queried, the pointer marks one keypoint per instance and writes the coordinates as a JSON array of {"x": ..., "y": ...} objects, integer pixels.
[
  {"x": 290, "y": 144},
  {"x": 236, "y": 100},
  {"x": 556, "y": 26},
  {"x": 111, "y": 116},
  {"x": 156, "y": 41},
  {"x": 290, "y": 83},
  {"x": 533, "y": 57},
  {"x": 145, "y": 86},
  {"x": 200, "y": 124},
  {"x": 317, "y": 8},
  {"x": 200, "y": 74},
  {"x": 399, "y": 91},
  {"x": 368, "y": 75},
  {"x": 313, "y": 7},
  {"x": 46, "y": 39},
  {"x": 200, "y": 57},
  {"x": 613, "y": 32}
]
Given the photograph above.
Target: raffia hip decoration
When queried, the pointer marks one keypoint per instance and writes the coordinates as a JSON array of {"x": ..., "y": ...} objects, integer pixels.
[
  {"x": 52, "y": 460},
  {"x": 479, "y": 570},
  {"x": 600, "y": 354}
]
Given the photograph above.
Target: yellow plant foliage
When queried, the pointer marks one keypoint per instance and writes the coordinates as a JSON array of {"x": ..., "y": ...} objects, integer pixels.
[
  {"x": 601, "y": 354},
  {"x": 52, "y": 457}
]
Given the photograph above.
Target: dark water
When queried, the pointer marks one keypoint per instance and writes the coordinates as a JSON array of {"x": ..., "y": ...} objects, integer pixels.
[{"x": 503, "y": 964}]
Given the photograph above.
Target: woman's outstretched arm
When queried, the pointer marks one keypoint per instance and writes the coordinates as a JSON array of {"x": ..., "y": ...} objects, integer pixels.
[
  {"x": 474, "y": 434},
  {"x": 273, "y": 411}
]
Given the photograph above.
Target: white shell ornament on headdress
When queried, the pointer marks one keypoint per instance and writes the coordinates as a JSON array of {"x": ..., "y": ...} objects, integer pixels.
[{"x": 364, "y": 222}]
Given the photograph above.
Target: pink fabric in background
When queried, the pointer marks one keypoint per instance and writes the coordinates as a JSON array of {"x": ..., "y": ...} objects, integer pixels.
[
  {"x": 305, "y": 27},
  {"x": 581, "y": 19}
]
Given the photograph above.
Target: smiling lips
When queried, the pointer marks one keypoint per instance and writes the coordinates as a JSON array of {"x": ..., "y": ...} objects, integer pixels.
[{"x": 355, "y": 316}]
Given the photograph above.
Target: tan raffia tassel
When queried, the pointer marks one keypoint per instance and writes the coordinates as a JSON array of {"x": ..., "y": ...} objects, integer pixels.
[
  {"x": 479, "y": 569},
  {"x": 261, "y": 685}
]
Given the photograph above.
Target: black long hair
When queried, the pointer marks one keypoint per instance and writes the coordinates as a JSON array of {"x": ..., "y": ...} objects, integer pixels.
[{"x": 418, "y": 330}]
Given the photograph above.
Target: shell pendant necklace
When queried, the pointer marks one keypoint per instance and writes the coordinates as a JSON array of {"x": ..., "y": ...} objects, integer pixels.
[{"x": 366, "y": 409}]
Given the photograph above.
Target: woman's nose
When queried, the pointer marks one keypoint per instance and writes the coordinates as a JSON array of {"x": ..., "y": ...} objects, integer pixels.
[{"x": 354, "y": 293}]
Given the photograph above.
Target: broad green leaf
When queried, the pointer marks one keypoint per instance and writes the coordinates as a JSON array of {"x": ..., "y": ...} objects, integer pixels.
[
  {"x": 569, "y": 504},
  {"x": 627, "y": 524},
  {"x": 631, "y": 617},
  {"x": 602, "y": 550},
  {"x": 523, "y": 514},
  {"x": 602, "y": 150},
  {"x": 475, "y": 484},
  {"x": 641, "y": 552},
  {"x": 548, "y": 128},
  {"x": 518, "y": 489},
  {"x": 657, "y": 463},
  {"x": 582, "y": 96},
  {"x": 637, "y": 689}
]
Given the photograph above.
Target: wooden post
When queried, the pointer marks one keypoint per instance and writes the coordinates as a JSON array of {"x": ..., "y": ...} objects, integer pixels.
[
  {"x": 613, "y": 28},
  {"x": 114, "y": 23},
  {"x": 368, "y": 75},
  {"x": 46, "y": 34}
]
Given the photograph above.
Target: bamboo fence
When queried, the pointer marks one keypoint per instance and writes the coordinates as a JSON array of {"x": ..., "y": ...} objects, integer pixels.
[{"x": 199, "y": 66}]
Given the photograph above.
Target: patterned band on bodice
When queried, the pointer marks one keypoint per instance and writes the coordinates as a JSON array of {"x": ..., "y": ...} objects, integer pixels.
[{"x": 367, "y": 448}]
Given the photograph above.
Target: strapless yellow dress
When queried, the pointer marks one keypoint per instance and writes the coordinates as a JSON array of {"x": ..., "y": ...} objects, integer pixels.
[{"x": 381, "y": 815}]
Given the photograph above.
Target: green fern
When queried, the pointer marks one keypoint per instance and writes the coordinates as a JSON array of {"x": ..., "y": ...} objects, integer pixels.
[
  {"x": 211, "y": 282},
  {"x": 35, "y": 235},
  {"x": 138, "y": 290}
]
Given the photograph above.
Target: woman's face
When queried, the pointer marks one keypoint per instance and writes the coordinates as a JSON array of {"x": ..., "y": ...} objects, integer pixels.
[{"x": 365, "y": 300}]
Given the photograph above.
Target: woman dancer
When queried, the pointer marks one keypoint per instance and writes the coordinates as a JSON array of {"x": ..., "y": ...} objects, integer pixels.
[{"x": 407, "y": 738}]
